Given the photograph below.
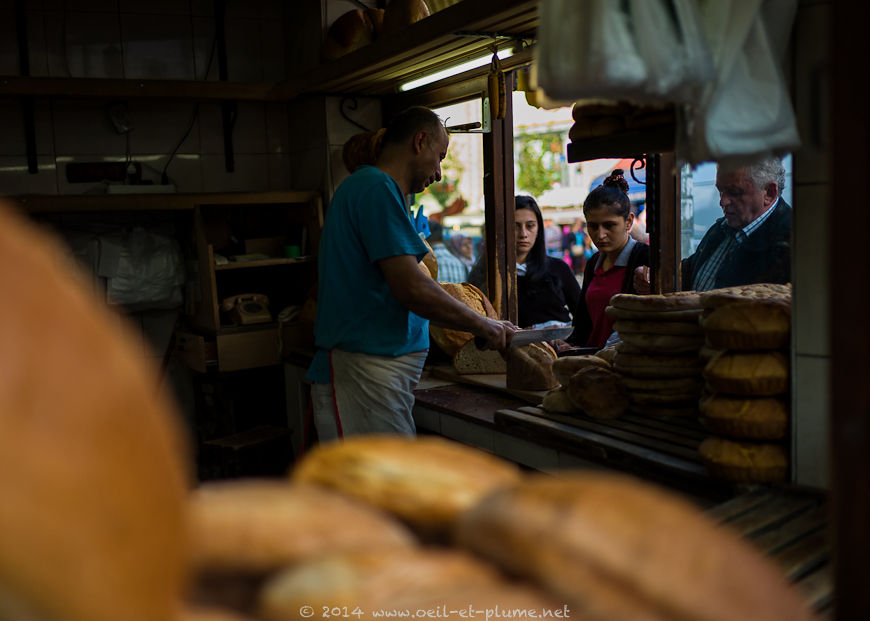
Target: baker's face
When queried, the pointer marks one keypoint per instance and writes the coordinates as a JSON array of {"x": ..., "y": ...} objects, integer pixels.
[
  {"x": 607, "y": 230},
  {"x": 740, "y": 200},
  {"x": 431, "y": 150}
]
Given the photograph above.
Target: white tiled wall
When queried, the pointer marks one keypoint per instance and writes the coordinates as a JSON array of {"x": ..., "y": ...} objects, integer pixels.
[
  {"x": 811, "y": 316},
  {"x": 150, "y": 39}
]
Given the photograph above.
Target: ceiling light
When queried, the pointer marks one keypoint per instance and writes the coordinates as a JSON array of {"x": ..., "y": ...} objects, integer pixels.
[{"x": 455, "y": 70}]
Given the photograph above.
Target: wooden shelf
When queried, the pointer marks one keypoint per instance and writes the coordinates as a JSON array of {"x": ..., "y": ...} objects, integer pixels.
[
  {"x": 107, "y": 88},
  {"x": 431, "y": 44},
  {"x": 263, "y": 263}
]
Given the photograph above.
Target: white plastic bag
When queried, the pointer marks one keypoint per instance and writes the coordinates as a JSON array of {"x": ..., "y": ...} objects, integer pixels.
[{"x": 746, "y": 112}]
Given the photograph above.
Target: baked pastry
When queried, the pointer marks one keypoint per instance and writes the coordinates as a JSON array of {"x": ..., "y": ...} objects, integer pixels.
[
  {"x": 557, "y": 400},
  {"x": 426, "y": 481},
  {"x": 451, "y": 340},
  {"x": 598, "y": 542},
  {"x": 748, "y": 373},
  {"x": 744, "y": 462},
  {"x": 761, "y": 418},
  {"x": 350, "y": 31},
  {"x": 598, "y": 392},
  {"x": 681, "y": 300},
  {"x": 565, "y": 367},
  {"x": 470, "y": 360},
  {"x": 530, "y": 367},
  {"x": 751, "y": 325},
  {"x": 261, "y": 525},
  {"x": 371, "y": 580},
  {"x": 93, "y": 465}
]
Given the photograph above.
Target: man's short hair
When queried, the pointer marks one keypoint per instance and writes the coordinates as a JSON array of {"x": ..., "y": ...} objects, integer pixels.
[
  {"x": 766, "y": 171},
  {"x": 410, "y": 121}
]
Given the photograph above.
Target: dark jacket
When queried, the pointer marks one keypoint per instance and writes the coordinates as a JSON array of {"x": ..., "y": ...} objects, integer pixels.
[
  {"x": 582, "y": 321},
  {"x": 550, "y": 297},
  {"x": 765, "y": 256}
]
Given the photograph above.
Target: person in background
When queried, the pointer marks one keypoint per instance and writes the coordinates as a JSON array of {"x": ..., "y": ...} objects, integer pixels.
[
  {"x": 546, "y": 287},
  {"x": 462, "y": 248},
  {"x": 609, "y": 271},
  {"x": 450, "y": 268},
  {"x": 552, "y": 238},
  {"x": 374, "y": 302},
  {"x": 751, "y": 242}
]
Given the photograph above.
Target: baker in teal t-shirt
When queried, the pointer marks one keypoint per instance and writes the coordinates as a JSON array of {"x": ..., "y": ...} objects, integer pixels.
[{"x": 374, "y": 303}]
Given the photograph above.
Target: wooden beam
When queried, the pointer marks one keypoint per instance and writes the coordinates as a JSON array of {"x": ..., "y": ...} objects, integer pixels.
[{"x": 498, "y": 192}]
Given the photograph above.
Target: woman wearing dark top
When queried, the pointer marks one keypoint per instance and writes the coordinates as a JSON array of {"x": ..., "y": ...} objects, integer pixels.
[
  {"x": 546, "y": 287},
  {"x": 610, "y": 270}
]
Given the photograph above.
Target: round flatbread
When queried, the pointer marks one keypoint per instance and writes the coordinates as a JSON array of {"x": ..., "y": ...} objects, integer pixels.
[
  {"x": 754, "y": 418},
  {"x": 744, "y": 462},
  {"x": 665, "y": 411},
  {"x": 687, "y": 315},
  {"x": 664, "y": 343},
  {"x": 628, "y": 361},
  {"x": 674, "y": 385},
  {"x": 748, "y": 373},
  {"x": 679, "y": 400},
  {"x": 677, "y": 328},
  {"x": 680, "y": 300},
  {"x": 761, "y": 291},
  {"x": 748, "y": 325}
]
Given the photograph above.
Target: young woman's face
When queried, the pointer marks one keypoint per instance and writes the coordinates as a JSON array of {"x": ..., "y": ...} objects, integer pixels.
[
  {"x": 608, "y": 231},
  {"x": 527, "y": 230},
  {"x": 467, "y": 248}
]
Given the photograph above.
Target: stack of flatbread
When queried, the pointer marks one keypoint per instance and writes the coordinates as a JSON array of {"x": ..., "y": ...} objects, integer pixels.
[
  {"x": 658, "y": 356},
  {"x": 747, "y": 380}
]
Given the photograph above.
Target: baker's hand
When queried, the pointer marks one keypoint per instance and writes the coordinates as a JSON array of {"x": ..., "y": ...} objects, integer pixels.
[
  {"x": 641, "y": 279},
  {"x": 494, "y": 334}
]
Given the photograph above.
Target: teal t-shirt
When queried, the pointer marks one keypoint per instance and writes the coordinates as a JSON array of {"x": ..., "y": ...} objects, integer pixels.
[{"x": 366, "y": 221}]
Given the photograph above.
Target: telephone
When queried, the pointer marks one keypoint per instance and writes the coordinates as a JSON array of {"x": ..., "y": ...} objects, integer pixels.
[{"x": 247, "y": 308}]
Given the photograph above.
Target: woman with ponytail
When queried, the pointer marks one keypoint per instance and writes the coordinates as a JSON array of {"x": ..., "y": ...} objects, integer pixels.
[{"x": 609, "y": 271}]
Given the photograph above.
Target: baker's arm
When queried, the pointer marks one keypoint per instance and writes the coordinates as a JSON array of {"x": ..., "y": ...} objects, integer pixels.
[{"x": 425, "y": 297}]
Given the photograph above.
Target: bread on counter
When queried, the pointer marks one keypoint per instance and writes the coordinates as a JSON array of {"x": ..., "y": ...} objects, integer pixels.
[
  {"x": 598, "y": 392},
  {"x": 530, "y": 367},
  {"x": 614, "y": 547},
  {"x": 566, "y": 366},
  {"x": 470, "y": 360}
]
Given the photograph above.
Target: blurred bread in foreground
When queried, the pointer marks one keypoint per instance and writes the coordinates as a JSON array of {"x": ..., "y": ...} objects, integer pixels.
[
  {"x": 426, "y": 481},
  {"x": 615, "y": 548},
  {"x": 92, "y": 466}
]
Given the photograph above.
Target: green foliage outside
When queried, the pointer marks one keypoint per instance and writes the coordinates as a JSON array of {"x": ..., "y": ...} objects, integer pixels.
[{"x": 537, "y": 174}]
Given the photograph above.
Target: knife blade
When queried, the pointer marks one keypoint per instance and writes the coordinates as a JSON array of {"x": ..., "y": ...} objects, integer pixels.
[{"x": 526, "y": 336}]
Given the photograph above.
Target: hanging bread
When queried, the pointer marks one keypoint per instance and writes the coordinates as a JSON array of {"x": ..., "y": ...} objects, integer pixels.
[{"x": 350, "y": 31}]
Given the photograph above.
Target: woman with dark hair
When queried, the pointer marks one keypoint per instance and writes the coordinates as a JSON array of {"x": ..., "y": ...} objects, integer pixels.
[
  {"x": 546, "y": 287},
  {"x": 609, "y": 271}
]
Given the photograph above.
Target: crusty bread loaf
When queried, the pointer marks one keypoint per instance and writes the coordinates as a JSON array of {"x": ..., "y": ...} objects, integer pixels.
[
  {"x": 93, "y": 468},
  {"x": 451, "y": 340},
  {"x": 426, "y": 481},
  {"x": 371, "y": 580},
  {"x": 677, "y": 328},
  {"x": 530, "y": 367},
  {"x": 761, "y": 418},
  {"x": 664, "y": 343},
  {"x": 350, "y": 31},
  {"x": 470, "y": 360},
  {"x": 689, "y": 315},
  {"x": 557, "y": 400},
  {"x": 744, "y": 461},
  {"x": 430, "y": 261},
  {"x": 598, "y": 392},
  {"x": 261, "y": 525},
  {"x": 566, "y": 366},
  {"x": 617, "y": 548},
  {"x": 752, "y": 325},
  {"x": 664, "y": 385},
  {"x": 748, "y": 373},
  {"x": 665, "y": 411}
]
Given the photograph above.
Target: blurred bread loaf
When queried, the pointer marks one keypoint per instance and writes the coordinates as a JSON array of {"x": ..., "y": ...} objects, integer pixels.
[
  {"x": 93, "y": 468},
  {"x": 350, "y": 31},
  {"x": 612, "y": 547},
  {"x": 744, "y": 461},
  {"x": 426, "y": 481},
  {"x": 400, "y": 14}
]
